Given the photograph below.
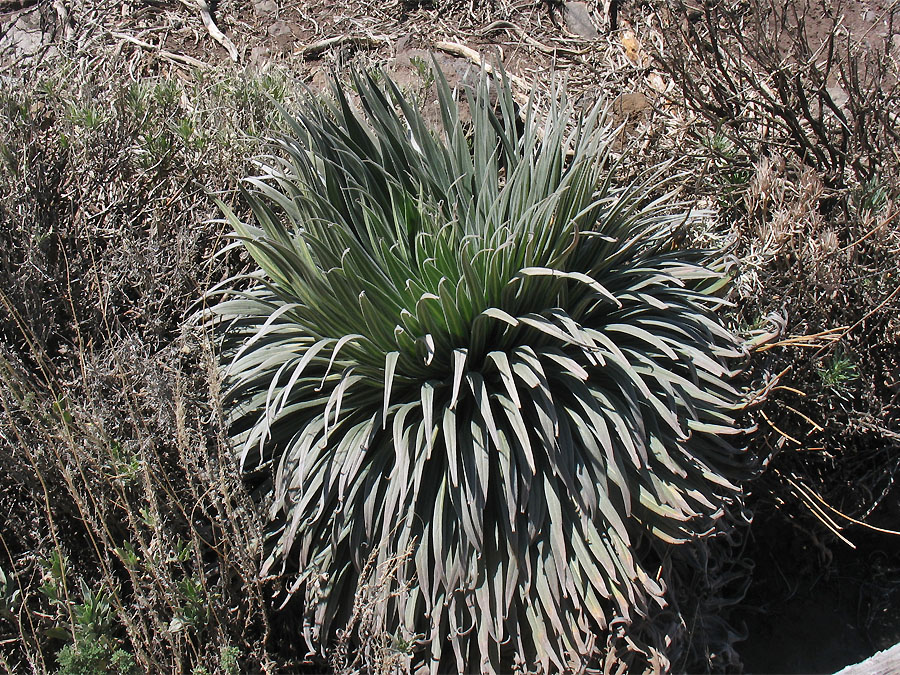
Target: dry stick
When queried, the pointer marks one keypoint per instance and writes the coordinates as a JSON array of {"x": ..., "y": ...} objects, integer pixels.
[
  {"x": 858, "y": 323},
  {"x": 170, "y": 56},
  {"x": 818, "y": 512},
  {"x": 48, "y": 512},
  {"x": 790, "y": 438},
  {"x": 52, "y": 524},
  {"x": 551, "y": 51},
  {"x": 854, "y": 520},
  {"x": 803, "y": 340},
  {"x": 214, "y": 31},
  {"x": 104, "y": 533},
  {"x": 468, "y": 53},
  {"x": 313, "y": 49},
  {"x": 816, "y": 426},
  {"x": 871, "y": 232},
  {"x": 226, "y": 459},
  {"x": 26, "y": 447},
  {"x": 790, "y": 389},
  {"x": 762, "y": 393},
  {"x": 63, "y": 15}
]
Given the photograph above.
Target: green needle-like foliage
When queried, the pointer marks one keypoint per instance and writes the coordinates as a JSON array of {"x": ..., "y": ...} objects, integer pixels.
[{"x": 469, "y": 352}]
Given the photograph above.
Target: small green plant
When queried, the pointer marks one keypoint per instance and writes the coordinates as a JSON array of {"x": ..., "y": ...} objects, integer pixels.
[
  {"x": 87, "y": 117},
  {"x": 418, "y": 93},
  {"x": 156, "y": 149},
  {"x": 732, "y": 187},
  {"x": 474, "y": 346},
  {"x": 136, "y": 99},
  {"x": 50, "y": 86},
  {"x": 838, "y": 370},
  {"x": 94, "y": 615},
  {"x": 872, "y": 195},
  {"x": 184, "y": 129},
  {"x": 90, "y": 646},
  {"x": 61, "y": 410},
  {"x": 193, "y": 611},
  {"x": 166, "y": 93},
  {"x": 731, "y": 176},
  {"x": 147, "y": 517},
  {"x": 424, "y": 71},
  {"x": 10, "y": 596},
  {"x": 128, "y": 555},
  {"x": 53, "y": 586},
  {"x": 182, "y": 550},
  {"x": 93, "y": 655},
  {"x": 720, "y": 145},
  {"x": 124, "y": 464},
  {"x": 229, "y": 660}
]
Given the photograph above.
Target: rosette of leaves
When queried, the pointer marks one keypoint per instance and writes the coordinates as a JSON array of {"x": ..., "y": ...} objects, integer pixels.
[{"x": 469, "y": 356}]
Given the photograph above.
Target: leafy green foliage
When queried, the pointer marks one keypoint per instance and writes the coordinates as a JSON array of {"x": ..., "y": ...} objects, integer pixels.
[
  {"x": 10, "y": 596},
  {"x": 838, "y": 371},
  {"x": 90, "y": 646},
  {"x": 94, "y": 656},
  {"x": 472, "y": 356}
]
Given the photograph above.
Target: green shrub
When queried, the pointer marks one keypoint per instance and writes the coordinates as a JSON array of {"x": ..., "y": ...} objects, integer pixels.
[
  {"x": 94, "y": 656},
  {"x": 469, "y": 357}
]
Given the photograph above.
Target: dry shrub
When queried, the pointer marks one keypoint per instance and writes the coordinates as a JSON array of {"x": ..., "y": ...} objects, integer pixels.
[
  {"x": 795, "y": 106},
  {"x": 125, "y": 489},
  {"x": 129, "y": 539},
  {"x": 790, "y": 74},
  {"x": 365, "y": 643}
]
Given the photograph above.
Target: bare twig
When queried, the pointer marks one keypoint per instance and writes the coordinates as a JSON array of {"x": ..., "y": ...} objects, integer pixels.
[
  {"x": 313, "y": 49},
  {"x": 169, "y": 56},
  {"x": 62, "y": 14},
  {"x": 518, "y": 30},
  {"x": 784, "y": 434},
  {"x": 217, "y": 35},
  {"x": 468, "y": 53}
]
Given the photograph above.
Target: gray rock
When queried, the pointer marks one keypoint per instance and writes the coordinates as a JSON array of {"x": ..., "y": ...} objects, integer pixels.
[
  {"x": 629, "y": 105},
  {"x": 259, "y": 57},
  {"x": 24, "y": 36},
  {"x": 838, "y": 95},
  {"x": 406, "y": 69},
  {"x": 279, "y": 28},
  {"x": 265, "y": 7},
  {"x": 281, "y": 33},
  {"x": 882, "y": 663},
  {"x": 578, "y": 20}
]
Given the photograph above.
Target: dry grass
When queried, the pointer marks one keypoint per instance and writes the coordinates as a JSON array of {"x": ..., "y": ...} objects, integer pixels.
[{"x": 129, "y": 525}]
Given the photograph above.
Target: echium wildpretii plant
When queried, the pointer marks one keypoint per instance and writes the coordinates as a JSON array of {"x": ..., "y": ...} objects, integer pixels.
[{"x": 469, "y": 352}]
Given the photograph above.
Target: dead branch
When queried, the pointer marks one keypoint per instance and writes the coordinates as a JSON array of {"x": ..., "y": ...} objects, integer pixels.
[
  {"x": 181, "y": 59},
  {"x": 314, "y": 49}
]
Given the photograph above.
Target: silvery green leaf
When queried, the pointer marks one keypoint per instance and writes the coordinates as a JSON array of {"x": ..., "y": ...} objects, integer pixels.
[{"x": 473, "y": 355}]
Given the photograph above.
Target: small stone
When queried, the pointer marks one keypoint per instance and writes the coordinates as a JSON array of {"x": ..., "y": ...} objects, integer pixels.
[
  {"x": 260, "y": 56},
  {"x": 279, "y": 28},
  {"x": 578, "y": 20},
  {"x": 838, "y": 95},
  {"x": 24, "y": 35},
  {"x": 281, "y": 34},
  {"x": 265, "y": 7},
  {"x": 629, "y": 104}
]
